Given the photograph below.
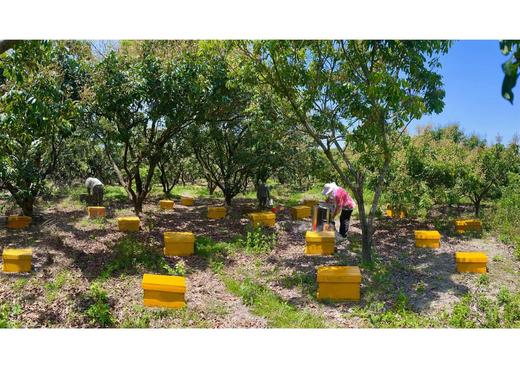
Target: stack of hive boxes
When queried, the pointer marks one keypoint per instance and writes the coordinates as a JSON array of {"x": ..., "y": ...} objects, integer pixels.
[
  {"x": 216, "y": 212},
  {"x": 471, "y": 262},
  {"x": 300, "y": 212},
  {"x": 164, "y": 291},
  {"x": 427, "y": 239},
  {"x": 267, "y": 219},
  {"x": 129, "y": 224},
  {"x": 462, "y": 226},
  {"x": 320, "y": 242},
  {"x": 18, "y": 222},
  {"x": 339, "y": 282},
  {"x": 96, "y": 211},
  {"x": 16, "y": 260},
  {"x": 166, "y": 204},
  {"x": 179, "y": 244}
]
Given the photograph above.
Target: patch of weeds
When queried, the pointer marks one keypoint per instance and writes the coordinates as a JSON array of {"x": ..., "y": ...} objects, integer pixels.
[
  {"x": 20, "y": 284},
  {"x": 399, "y": 316},
  {"x": 53, "y": 287},
  {"x": 8, "y": 314},
  {"x": 460, "y": 315},
  {"x": 131, "y": 256},
  {"x": 304, "y": 281},
  {"x": 217, "y": 308},
  {"x": 99, "y": 311},
  {"x": 483, "y": 280},
  {"x": 178, "y": 270},
  {"x": 259, "y": 240},
  {"x": 498, "y": 258},
  {"x": 115, "y": 193},
  {"x": 265, "y": 303},
  {"x": 140, "y": 318},
  {"x": 214, "y": 252},
  {"x": 420, "y": 287}
]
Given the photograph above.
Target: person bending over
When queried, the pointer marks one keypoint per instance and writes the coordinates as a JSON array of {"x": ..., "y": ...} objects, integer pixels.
[
  {"x": 95, "y": 191},
  {"x": 343, "y": 204}
]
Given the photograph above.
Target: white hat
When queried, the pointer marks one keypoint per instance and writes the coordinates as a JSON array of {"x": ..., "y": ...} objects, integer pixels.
[{"x": 329, "y": 188}]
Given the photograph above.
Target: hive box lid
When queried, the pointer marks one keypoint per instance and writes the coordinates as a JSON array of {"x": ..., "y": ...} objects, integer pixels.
[
  {"x": 174, "y": 284},
  {"x": 427, "y": 234},
  {"x": 179, "y": 236},
  {"x": 187, "y": 196},
  {"x": 339, "y": 274},
  {"x": 301, "y": 207},
  {"x": 17, "y": 253},
  {"x": 129, "y": 218},
  {"x": 165, "y": 201},
  {"x": 317, "y": 236},
  {"x": 217, "y": 208},
  {"x": 461, "y": 222},
  {"x": 470, "y": 257},
  {"x": 95, "y": 207},
  {"x": 262, "y": 215}
]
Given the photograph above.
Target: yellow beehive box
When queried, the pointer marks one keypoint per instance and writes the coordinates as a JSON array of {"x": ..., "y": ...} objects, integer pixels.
[
  {"x": 187, "y": 200},
  {"x": 396, "y": 214},
  {"x": 471, "y": 262},
  {"x": 427, "y": 239},
  {"x": 95, "y": 211},
  {"x": 462, "y": 226},
  {"x": 179, "y": 243},
  {"x": 262, "y": 219},
  {"x": 129, "y": 224},
  {"x": 164, "y": 291},
  {"x": 300, "y": 212},
  {"x": 339, "y": 282},
  {"x": 16, "y": 260},
  {"x": 217, "y": 212},
  {"x": 309, "y": 202},
  {"x": 166, "y": 204},
  {"x": 320, "y": 242},
  {"x": 18, "y": 222}
]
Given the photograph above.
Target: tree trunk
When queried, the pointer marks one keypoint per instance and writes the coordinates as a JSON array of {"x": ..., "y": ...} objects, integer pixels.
[
  {"x": 366, "y": 229},
  {"x": 211, "y": 187},
  {"x": 477, "y": 207},
  {"x": 228, "y": 197},
  {"x": 27, "y": 205}
]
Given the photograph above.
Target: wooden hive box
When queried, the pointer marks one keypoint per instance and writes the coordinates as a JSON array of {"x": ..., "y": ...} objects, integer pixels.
[
  {"x": 320, "y": 242},
  {"x": 179, "y": 243},
  {"x": 166, "y": 204},
  {"x": 471, "y": 262},
  {"x": 187, "y": 200},
  {"x": 164, "y": 291},
  {"x": 395, "y": 214},
  {"x": 217, "y": 212},
  {"x": 309, "y": 202},
  {"x": 96, "y": 211},
  {"x": 18, "y": 222},
  {"x": 300, "y": 212},
  {"x": 262, "y": 219},
  {"x": 462, "y": 226},
  {"x": 427, "y": 239},
  {"x": 128, "y": 224},
  {"x": 339, "y": 283},
  {"x": 16, "y": 260}
]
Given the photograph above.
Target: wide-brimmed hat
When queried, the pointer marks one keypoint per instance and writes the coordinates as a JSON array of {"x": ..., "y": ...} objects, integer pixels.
[{"x": 329, "y": 188}]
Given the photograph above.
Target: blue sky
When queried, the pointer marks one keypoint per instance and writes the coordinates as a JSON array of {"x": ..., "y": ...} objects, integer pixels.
[{"x": 472, "y": 78}]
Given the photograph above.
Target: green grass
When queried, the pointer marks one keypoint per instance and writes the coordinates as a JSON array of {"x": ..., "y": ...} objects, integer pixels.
[
  {"x": 131, "y": 257},
  {"x": 53, "y": 287},
  {"x": 8, "y": 314},
  {"x": 99, "y": 312},
  {"x": 114, "y": 193},
  {"x": 267, "y": 304}
]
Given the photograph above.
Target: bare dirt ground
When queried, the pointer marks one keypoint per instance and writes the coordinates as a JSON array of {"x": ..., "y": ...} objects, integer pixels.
[{"x": 70, "y": 253}]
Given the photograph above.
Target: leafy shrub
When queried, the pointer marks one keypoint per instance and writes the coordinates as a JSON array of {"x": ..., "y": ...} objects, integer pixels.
[
  {"x": 259, "y": 240},
  {"x": 7, "y": 314},
  {"x": 507, "y": 215},
  {"x": 99, "y": 310},
  {"x": 131, "y": 256}
]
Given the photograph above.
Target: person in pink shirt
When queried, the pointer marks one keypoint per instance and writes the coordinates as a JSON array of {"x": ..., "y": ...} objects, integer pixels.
[{"x": 344, "y": 205}]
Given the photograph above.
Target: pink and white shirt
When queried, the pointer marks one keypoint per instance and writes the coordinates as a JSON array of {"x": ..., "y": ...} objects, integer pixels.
[{"x": 343, "y": 199}]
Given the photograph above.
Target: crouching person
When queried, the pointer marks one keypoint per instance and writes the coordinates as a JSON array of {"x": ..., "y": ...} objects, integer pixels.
[
  {"x": 95, "y": 191},
  {"x": 343, "y": 203},
  {"x": 263, "y": 195}
]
